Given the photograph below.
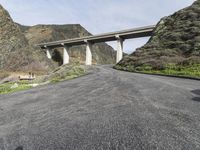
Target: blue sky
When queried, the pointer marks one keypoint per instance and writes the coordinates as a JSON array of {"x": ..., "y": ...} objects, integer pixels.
[{"x": 97, "y": 16}]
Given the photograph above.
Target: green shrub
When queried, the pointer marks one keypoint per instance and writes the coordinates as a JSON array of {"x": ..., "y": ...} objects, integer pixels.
[{"x": 6, "y": 88}]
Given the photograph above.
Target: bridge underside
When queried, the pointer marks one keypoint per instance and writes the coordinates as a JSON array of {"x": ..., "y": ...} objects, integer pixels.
[{"x": 90, "y": 40}]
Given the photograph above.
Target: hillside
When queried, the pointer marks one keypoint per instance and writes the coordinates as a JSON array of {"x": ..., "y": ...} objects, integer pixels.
[
  {"x": 174, "y": 47},
  {"x": 18, "y": 53},
  {"x": 15, "y": 51},
  {"x": 102, "y": 53}
]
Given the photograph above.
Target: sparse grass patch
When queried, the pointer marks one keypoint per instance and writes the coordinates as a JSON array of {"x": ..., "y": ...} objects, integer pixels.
[
  {"x": 72, "y": 72},
  {"x": 7, "y": 87},
  {"x": 169, "y": 69}
]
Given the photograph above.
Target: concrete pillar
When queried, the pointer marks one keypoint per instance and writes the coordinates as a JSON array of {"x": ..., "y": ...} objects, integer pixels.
[
  {"x": 119, "y": 49},
  {"x": 65, "y": 55},
  {"x": 48, "y": 52},
  {"x": 88, "y": 53}
]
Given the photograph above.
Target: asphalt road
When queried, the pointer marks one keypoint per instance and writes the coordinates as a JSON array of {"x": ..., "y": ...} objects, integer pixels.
[{"x": 106, "y": 109}]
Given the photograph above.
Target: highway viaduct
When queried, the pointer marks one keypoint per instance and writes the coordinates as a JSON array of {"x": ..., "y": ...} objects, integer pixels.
[{"x": 118, "y": 36}]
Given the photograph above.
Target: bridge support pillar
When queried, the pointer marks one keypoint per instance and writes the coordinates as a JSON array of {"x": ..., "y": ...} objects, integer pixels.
[
  {"x": 48, "y": 52},
  {"x": 119, "y": 49},
  {"x": 88, "y": 53},
  {"x": 65, "y": 55}
]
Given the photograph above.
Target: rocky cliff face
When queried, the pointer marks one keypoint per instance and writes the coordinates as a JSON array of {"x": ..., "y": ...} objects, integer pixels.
[
  {"x": 176, "y": 40},
  {"x": 15, "y": 52},
  {"x": 102, "y": 53}
]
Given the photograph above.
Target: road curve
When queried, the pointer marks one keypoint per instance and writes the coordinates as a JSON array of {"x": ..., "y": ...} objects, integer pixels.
[{"x": 107, "y": 109}]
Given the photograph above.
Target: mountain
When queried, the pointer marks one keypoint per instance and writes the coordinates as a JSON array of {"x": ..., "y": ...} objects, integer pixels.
[
  {"x": 102, "y": 53},
  {"x": 175, "y": 45},
  {"x": 15, "y": 51},
  {"x": 19, "y": 53}
]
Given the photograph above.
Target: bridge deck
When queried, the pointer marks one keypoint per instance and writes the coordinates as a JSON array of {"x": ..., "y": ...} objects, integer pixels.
[{"x": 106, "y": 37}]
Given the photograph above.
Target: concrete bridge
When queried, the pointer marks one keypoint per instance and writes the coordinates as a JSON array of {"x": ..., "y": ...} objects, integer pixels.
[{"x": 118, "y": 36}]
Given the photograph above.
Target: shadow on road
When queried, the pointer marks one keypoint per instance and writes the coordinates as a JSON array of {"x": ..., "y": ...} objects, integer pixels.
[
  {"x": 197, "y": 98},
  {"x": 19, "y": 148}
]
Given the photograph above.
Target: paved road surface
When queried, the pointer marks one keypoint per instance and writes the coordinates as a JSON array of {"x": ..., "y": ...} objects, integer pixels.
[{"x": 106, "y": 109}]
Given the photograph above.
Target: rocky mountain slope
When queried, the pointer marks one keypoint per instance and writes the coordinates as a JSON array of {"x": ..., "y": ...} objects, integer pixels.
[
  {"x": 102, "y": 53},
  {"x": 15, "y": 51},
  {"x": 175, "y": 43}
]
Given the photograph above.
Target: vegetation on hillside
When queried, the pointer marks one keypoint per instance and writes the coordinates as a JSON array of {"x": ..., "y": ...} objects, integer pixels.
[
  {"x": 174, "y": 47},
  {"x": 62, "y": 73},
  {"x": 169, "y": 69}
]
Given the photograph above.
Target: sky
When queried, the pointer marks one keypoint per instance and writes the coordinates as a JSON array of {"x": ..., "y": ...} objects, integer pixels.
[{"x": 97, "y": 16}]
